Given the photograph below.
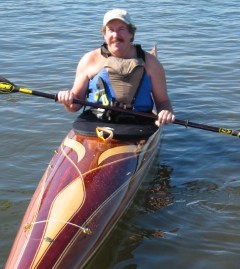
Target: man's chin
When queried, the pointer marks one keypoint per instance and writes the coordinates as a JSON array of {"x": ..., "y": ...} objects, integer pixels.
[{"x": 116, "y": 47}]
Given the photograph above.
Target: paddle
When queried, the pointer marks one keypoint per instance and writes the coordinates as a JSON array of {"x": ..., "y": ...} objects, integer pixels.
[{"x": 8, "y": 87}]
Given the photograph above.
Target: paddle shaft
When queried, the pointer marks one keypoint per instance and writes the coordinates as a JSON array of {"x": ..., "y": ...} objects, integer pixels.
[
  {"x": 85, "y": 103},
  {"x": 8, "y": 86},
  {"x": 185, "y": 123},
  {"x": 220, "y": 130}
]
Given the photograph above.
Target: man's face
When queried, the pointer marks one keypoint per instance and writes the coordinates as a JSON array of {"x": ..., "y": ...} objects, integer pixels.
[{"x": 117, "y": 36}]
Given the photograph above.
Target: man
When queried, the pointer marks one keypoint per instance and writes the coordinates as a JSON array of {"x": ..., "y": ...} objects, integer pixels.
[{"x": 118, "y": 32}]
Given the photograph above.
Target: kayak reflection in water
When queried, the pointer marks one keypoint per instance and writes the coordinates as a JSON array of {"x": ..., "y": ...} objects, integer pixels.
[{"x": 121, "y": 74}]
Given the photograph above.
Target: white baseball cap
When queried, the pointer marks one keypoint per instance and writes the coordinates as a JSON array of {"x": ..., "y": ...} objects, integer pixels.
[{"x": 117, "y": 14}]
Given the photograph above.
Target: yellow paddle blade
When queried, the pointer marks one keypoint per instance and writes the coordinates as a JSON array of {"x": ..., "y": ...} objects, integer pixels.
[{"x": 6, "y": 87}]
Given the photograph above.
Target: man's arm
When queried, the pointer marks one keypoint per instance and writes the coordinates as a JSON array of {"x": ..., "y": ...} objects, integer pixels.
[
  {"x": 80, "y": 86},
  {"x": 163, "y": 104}
]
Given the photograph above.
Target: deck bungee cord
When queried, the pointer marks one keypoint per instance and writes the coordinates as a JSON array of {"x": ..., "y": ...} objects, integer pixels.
[{"x": 29, "y": 226}]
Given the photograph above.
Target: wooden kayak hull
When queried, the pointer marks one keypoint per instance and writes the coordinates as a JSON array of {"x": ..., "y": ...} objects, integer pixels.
[{"x": 86, "y": 188}]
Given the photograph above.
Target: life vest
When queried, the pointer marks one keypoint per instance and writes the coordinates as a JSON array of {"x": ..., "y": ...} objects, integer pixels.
[{"x": 123, "y": 83}]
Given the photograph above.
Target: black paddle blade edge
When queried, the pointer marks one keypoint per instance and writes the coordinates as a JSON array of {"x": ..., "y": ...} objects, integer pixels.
[{"x": 2, "y": 79}]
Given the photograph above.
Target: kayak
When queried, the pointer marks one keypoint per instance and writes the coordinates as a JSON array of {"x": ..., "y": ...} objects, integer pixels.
[{"x": 87, "y": 186}]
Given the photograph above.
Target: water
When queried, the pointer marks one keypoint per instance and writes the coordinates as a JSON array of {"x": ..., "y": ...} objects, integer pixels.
[{"x": 186, "y": 215}]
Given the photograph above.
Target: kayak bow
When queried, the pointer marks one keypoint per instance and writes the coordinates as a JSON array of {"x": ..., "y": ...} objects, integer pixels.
[{"x": 86, "y": 188}]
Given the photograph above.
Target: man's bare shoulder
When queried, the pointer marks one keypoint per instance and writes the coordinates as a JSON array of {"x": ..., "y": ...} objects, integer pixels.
[
  {"x": 153, "y": 63},
  {"x": 91, "y": 63},
  {"x": 92, "y": 56},
  {"x": 151, "y": 57}
]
